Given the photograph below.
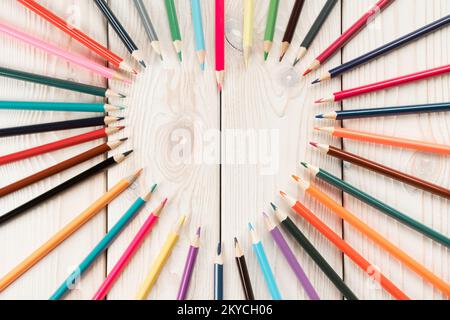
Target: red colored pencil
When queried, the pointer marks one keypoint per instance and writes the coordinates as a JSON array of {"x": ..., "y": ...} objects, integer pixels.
[
  {"x": 61, "y": 144},
  {"x": 78, "y": 35},
  {"x": 338, "y": 96},
  {"x": 220, "y": 43},
  {"x": 348, "y": 35}
]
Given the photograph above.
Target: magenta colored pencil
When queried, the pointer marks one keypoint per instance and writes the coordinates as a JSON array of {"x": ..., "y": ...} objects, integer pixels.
[
  {"x": 189, "y": 267},
  {"x": 220, "y": 42},
  {"x": 290, "y": 257},
  {"x": 129, "y": 253}
]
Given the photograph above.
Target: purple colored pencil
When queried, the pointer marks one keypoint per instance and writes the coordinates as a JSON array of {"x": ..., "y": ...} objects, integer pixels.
[
  {"x": 290, "y": 257},
  {"x": 189, "y": 267}
]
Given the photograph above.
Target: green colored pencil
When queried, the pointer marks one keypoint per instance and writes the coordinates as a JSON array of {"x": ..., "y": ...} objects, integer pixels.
[
  {"x": 270, "y": 26},
  {"x": 364, "y": 197},
  {"x": 59, "y": 83},
  {"x": 58, "y": 106},
  {"x": 174, "y": 27}
]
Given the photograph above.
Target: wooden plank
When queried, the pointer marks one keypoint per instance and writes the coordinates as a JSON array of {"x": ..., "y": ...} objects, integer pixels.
[
  {"x": 173, "y": 109},
  {"x": 271, "y": 102},
  {"x": 431, "y": 210},
  {"x": 20, "y": 237}
]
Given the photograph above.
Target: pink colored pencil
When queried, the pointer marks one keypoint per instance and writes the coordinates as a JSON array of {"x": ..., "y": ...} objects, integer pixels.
[
  {"x": 129, "y": 253},
  {"x": 220, "y": 43},
  {"x": 79, "y": 60}
]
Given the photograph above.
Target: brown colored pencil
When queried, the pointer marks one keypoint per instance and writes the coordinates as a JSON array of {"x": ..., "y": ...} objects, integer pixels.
[
  {"x": 381, "y": 169},
  {"x": 291, "y": 26},
  {"x": 57, "y": 168}
]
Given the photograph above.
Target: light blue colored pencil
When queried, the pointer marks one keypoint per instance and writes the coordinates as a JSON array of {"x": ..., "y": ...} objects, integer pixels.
[
  {"x": 58, "y": 106},
  {"x": 102, "y": 245},
  {"x": 264, "y": 264},
  {"x": 197, "y": 21}
]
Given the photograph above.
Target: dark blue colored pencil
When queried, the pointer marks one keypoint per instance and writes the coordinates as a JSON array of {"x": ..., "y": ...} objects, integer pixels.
[
  {"x": 385, "y": 112},
  {"x": 218, "y": 274},
  {"x": 419, "y": 33}
]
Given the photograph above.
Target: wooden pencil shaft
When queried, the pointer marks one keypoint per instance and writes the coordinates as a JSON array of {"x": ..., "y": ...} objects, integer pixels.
[
  {"x": 293, "y": 21},
  {"x": 146, "y": 20},
  {"x": 245, "y": 278},
  {"x": 318, "y": 23}
]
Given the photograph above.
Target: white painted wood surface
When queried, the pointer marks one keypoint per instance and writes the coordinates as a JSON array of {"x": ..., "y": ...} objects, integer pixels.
[{"x": 173, "y": 118}]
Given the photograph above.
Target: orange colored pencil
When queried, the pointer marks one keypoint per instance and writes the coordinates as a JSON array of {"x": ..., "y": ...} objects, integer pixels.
[
  {"x": 359, "y": 260},
  {"x": 374, "y": 236},
  {"x": 387, "y": 140}
]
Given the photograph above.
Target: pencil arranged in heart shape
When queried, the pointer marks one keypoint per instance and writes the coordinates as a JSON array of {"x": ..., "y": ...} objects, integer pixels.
[
  {"x": 218, "y": 273},
  {"x": 58, "y": 145},
  {"x": 120, "y": 31},
  {"x": 373, "y": 235},
  {"x": 270, "y": 26},
  {"x": 129, "y": 252},
  {"x": 359, "y": 260},
  {"x": 60, "y": 167},
  {"x": 59, "y": 106},
  {"x": 148, "y": 26},
  {"x": 174, "y": 27},
  {"x": 68, "y": 230},
  {"x": 103, "y": 245},
  {"x": 315, "y": 28},
  {"x": 415, "y": 35},
  {"x": 291, "y": 27},
  {"x": 219, "y": 42},
  {"x": 382, "y": 169},
  {"x": 244, "y": 276},
  {"x": 189, "y": 266},
  {"x": 351, "y": 32},
  {"x": 247, "y": 37},
  {"x": 377, "y": 204},
  {"x": 197, "y": 22}
]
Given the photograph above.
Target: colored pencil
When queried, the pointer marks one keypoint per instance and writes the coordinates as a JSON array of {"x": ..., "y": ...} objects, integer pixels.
[
  {"x": 315, "y": 28},
  {"x": 218, "y": 273},
  {"x": 290, "y": 258},
  {"x": 67, "y": 231},
  {"x": 391, "y": 46},
  {"x": 377, "y": 204},
  {"x": 387, "y": 140},
  {"x": 161, "y": 260},
  {"x": 264, "y": 264},
  {"x": 58, "y": 106},
  {"x": 290, "y": 227},
  {"x": 148, "y": 26},
  {"x": 374, "y": 236},
  {"x": 291, "y": 26},
  {"x": 326, "y": 231},
  {"x": 189, "y": 266},
  {"x": 58, "y": 145},
  {"x": 197, "y": 22},
  {"x": 374, "y": 87},
  {"x": 351, "y": 32},
  {"x": 128, "y": 254},
  {"x": 381, "y": 169},
  {"x": 60, "y": 167},
  {"x": 243, "y": 272},
  {"x": 63, "y": 187},
  {"x": 71, "y": 57},
  {"x": 103, "y": 245},
  {"x": 59, "y": 83},
  {"x": 58, "y": 126},
  {"x": 120, "y": 31},
  {"x": 174, "y": 27},
  {"x": 78, "y": 35},
  {"x": 270, "y": 26},
  {"x": 385, "y": 112},
  {"x": 220, "y": 42},
  {"x": 248, "y": 29}
]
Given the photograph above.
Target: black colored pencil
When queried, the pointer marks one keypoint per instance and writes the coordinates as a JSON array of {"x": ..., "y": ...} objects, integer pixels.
[
  {"x": 63, "y": 187},
  {"x": 57, "y": 126},
  {"x": 120, "y": 30},
  {"x": 243, "y": 272},
  {"x": 417, "y": 34},
  {"x": 291, "y": 26}
]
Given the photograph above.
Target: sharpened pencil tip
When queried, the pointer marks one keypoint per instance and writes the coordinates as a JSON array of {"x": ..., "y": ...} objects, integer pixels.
[
  {"x": 308, "y": 71},
  {"x": 281, "y": 58},
  {"x": 163, "y": 204},
  {"x": 180, "y": 56},
  {"x": 236, "y": 242},
  {"x": 250, "y": 226},
  {"x": 135, "y": 72},
  {"x": 316, "y": 81},
  {"x": 314, "y": 144},
  {"x": 265, "y": 215},
  {"x": 295, "y": 62},
  {"x": 142, "y": 62},
  {"x": 319, "y": 116},
  {"x": 266, "y": 55},
  {"x": 296, "y": 178},
  {"x": 304, "y": 164},
  {"x": 319, "y": 101},
  {"x": 274, "y": 207},
  {"x": 126, "y": 154},
  {"x": 124, "y": 139},
  {"x": 219, "y": 248},
  {"x": 202, "y": 66},
  {"x": 199, "y": 230},
  {"x": 154, "y": 188},
  {"x": 283, "y": 194},
  {"x": 161, "y": 57},
  {"x": 120, "y": 118}
]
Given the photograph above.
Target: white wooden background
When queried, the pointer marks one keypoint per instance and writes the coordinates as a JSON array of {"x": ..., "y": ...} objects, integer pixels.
[{"x": 172, "y": 105}]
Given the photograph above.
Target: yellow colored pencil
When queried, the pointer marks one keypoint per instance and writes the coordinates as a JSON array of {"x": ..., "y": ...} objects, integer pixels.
[
  {"x": 160, "y": 261},
  {"x": 67, "y": 231},
  {"x": 248, "y": 29}
]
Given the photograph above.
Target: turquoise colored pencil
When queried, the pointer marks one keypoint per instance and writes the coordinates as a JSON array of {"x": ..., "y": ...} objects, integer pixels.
[
  {"x": 264, "y": 264},
  {"x": 197, "y": 21},
  {"x": 102, "y": 245},
  {"x": 58, "y": 106}
]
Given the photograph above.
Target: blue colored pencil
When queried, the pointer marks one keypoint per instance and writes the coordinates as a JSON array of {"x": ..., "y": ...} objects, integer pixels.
[
  {"x": 264, "y": 264},
  {"x": 218, "y": 274},
  {"x": 197, "y": 22},
  {"x": 107, "y": 240},
  {"x": 58, "y": 106}
]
